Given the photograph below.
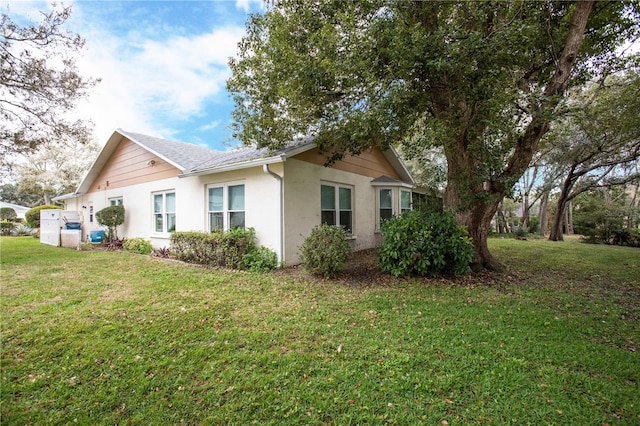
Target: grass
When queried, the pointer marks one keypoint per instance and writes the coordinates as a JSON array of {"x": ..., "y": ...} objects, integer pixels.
[{"x": 116, "y": 338}]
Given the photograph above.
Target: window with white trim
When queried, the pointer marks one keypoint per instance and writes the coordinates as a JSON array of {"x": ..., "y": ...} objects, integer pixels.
[
  {"x": 116, "y": 201},
  {"x": 405, "y": 201},
  {"x": 164, "y": 211},
  {"x": 390, "y": 204},
  {"x": 336, "y": 206},
  {"x": 385, "y": 204},
  {"x": 226, "y": 207}
]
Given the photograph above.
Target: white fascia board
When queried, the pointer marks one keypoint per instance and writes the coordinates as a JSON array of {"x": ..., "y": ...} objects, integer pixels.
[
  {"x": 300, "y": 149},
  {"x": 100, "y": 161},
  {"x": 236, "y": 166},
  {"x": 65, "y": 196},
  {"x": 146, "y": 148},
  {"x": 392, "y": 155},
  {"x": 393, "y": 184}
]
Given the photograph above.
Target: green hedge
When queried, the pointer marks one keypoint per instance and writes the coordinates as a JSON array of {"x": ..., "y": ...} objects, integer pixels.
[
  {"x": 32, "y": 216},
  {"x": 222, "y": 249}
]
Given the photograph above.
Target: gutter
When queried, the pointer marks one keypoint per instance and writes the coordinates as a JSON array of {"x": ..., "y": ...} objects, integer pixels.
[
  {"x": 236, "y": 166},
  {"x": 265, "y": 168}
]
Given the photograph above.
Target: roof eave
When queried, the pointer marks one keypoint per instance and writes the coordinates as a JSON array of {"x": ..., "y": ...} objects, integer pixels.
[
  {"x": 236, "y": 166},
  {"x": 65, "y": 196},
  {"x": 394, "y": 158},
  {"x": 389, "y": 184}
]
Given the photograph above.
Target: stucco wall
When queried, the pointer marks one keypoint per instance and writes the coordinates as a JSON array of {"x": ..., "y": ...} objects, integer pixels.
[
  {"x": 302, "y": 205},
  {"x": 261, "y": 205}
]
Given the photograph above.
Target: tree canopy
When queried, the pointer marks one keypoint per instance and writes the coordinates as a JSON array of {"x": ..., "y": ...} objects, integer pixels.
[
  {"x": 40, "y": 83},
  {"x": 483, "y": 80},
  {"x": 598, "y": 143}
]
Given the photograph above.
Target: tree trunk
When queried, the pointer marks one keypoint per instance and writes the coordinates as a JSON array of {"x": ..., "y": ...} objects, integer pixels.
[
  {"x": 568, "y": 218},
  {"x": 563, "y": 200},
  {"x": 503, "y": 226},
  {"x": 473, "y": 198},
  {"x": 544, "y": 221}
]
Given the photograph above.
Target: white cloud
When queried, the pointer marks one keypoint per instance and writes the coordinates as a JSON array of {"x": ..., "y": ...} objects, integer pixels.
[
  {"x": 156, "y": 79},
  {"x": 246, "y": 4},
  {"x": 214, "y": 124}
]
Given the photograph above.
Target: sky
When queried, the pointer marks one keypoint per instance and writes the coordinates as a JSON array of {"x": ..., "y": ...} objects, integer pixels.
[{"x": 162, "y": 64}]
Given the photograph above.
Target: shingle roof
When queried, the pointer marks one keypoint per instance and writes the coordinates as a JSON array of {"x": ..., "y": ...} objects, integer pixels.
[
  {"x": 192, "y": 158},
  {"x": 186, "y": 156}
]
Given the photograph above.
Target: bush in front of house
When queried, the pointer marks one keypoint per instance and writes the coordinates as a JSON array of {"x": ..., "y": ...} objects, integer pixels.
[
  {"x": 32, "y": 216},
  {"x": 137, "y": 245},
  {"x": 221, "y": 249},
  {"x": 111, "y": 217},
  {"x": 425, "y": 244},
  {"x": 260, "y": 259},
  {"x": 325, "y": 250}
]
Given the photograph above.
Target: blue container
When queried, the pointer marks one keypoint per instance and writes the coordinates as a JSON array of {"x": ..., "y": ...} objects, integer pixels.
[
  {"x": 97, "y": 236},
  {"x": 74, "y": 225}
]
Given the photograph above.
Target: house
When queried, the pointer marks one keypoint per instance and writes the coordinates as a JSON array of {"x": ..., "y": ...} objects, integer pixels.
[{"x": 170, "y": 186}]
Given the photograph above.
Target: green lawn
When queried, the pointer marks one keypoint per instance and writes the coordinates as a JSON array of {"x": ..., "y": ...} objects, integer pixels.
[{"x": 99, "y": 337}]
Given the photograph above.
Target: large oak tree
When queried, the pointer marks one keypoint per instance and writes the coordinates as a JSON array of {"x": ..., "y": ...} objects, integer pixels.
[{"x": 481, "y": 79}]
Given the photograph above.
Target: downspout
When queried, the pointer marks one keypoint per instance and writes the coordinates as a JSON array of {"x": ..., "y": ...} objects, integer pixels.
[{"x": 265, "y": 168}]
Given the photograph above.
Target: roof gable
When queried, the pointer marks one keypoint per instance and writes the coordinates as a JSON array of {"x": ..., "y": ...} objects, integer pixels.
[{"x": 172, "y": 158}]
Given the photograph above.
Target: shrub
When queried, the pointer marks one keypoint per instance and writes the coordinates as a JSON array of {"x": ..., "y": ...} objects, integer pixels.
[
  {"x": 7, "y": 213},
  {"x": 137, "y": 245},
  {"x": 5, "y": 227},
  {"x": 325, "y": 250},
  {"x": 22, "y": 230},
  {"x": 222, "y": 249},
  {"x": 162, "y": 252},
  {"x": 111, "y": 217},
  {"x": 260, "y": 259},
  {"x": 425, "y": 244},
  {"x": 520, "y": 233},
  {"x": 32, "y": 216},
  {"x": 115, "y": 244}
]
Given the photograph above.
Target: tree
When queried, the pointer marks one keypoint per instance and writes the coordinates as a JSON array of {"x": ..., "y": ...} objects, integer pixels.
[
  {"x": 598, "y": 144},
  {"x": 485, "y": 79},
  {"x": 52, "y": 170},
  {"x": 39, "y": 83},
  {"x": 10, "y": 193},
  {"x": 111, "y": 217}
]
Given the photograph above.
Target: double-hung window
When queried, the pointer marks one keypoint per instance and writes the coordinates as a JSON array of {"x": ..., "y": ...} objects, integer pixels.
[
  {"x": 117, "y": 201},
  {"x": 386, "y": 204},
  {"x": 164, "y": 211},
  {"x": 405, "y": 201},
  {"x": 392, "y": 201},
  {"x": 336, "y": 206},
  {"x": 226, "y": 207}
]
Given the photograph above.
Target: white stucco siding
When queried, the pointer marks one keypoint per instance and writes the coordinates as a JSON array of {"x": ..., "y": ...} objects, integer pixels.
[
  {"x": 262, "y": 200},
  {"x": 262, "y": 208},
  {"x": 138, "y": 204},
  {"x": 302, "y": 205}
]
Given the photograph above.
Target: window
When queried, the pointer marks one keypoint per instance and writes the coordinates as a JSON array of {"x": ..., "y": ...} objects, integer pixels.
[
  {"x": 336, "y": 206},
  {"x": 405, "y": 201},
  {"x": 164, "y": 211},
  {"x": 115, "y": 201},
  {"x": 389, "y": 204},
  {"x": 386, "y": 204},
  {"x": 226, "y": 207}
]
